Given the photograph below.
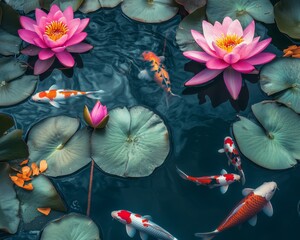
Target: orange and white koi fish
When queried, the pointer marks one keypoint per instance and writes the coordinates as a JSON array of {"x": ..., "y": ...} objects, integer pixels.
[
  {"x": 223, "y": 181},
  {"x": 256, "y": 200},
  {"x": 233, "y": 156},
  {"x": 143, "y": 224},
  {"x": 54, "y": 95}
]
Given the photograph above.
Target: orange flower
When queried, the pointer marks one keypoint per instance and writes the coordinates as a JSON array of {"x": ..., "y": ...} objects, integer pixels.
[
  {"x": 24, "y": 162},
  {"x": 44, "y": 211},
  {"x": 43, "y": 166},
  {"x": 35, "y": 169},
  {"x": 292, "y": 51}
]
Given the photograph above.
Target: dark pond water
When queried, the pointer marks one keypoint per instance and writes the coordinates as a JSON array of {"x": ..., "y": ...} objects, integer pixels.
[{"x": 198, "y": 123}]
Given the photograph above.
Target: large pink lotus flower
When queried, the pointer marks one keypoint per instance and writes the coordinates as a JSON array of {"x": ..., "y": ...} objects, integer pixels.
[
  {"x": 55, "y": 34},
  {"x": 98, "y": 118},
  {"x": 229, "y": 48}
]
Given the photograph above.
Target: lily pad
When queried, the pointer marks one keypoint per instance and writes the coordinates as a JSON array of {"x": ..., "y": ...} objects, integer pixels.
[
  {"x": 10, "y": 19},
  {"x": 134, "y": 142},
  {"x": 63, "y": 4},
  {"x": 70, "y": 227},
  {"x": 43, "y": 195},
  {"x": 274, "y": 144},
  {"x": 149, "y": 11},
  {"x": 24, "y": 5},
  {"x": 287, "y": 17},
  {"x": 10, "y": 44},
  {"x": 192, "y": 5},
  {"x": 94, "y": 5},
  {"x": 9, "y": 204},
  {"x": 243, "y": 10},
  {"x": 282, "y": 76},
  {"x": 184, "y": 38},
  {"x": 57, "y": 140}
]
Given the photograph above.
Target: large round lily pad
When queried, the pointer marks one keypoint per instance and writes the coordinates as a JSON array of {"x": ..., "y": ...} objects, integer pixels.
[
  {"x": 243, "y": 10},
  {"x": 134, "y": 142},
  {"x": 57, "y": 140},
  {"x": 149, "y": 11},
  {"x": 94, "y": 5},
  {"x": 14, "y": 87},
  {"x": 282, "y": 76},
  {"x": 43, "y": 195},
  {"x": 71, "y": 227},
  {"x": 9, "y": 204},
  {"x": 276, "y": 143}
]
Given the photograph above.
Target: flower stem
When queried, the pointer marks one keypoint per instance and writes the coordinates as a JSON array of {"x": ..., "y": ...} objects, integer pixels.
[{"x": 88, "y": 210}]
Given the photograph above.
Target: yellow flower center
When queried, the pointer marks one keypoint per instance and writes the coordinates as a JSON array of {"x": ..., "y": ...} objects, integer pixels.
[
  {"x": 228, "y": 42},
  {"x": 56, "y": 29}
]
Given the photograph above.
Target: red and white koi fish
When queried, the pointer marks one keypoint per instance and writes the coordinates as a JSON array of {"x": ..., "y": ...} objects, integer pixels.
[
  {"x": 256, "y": 200},
  {"x": 223, "y": 181},
  {"x": 54, "y": 95},
  {"x": 143, "y": 224},
  {"x": 233, "y": 156}
]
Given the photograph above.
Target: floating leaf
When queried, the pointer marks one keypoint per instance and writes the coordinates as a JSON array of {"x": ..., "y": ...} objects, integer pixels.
[
  {"x": 70, "y": 227},
  {"x": 149, "y": 11},
  {"x": 10, "y": 19},
  {"x": 282, "y": 77},
  {"x": 192, "y": 5},
  {"x": 184, "y": 37},
  {"x": 93, "y": 5},
  {"x": 57, "y": 140},
  {"x": 9, "y": 204},
  {"x": 274, "y": 144},
  {"x": 134, "y": 142},
  {"x": 24, "y": 5},
  {"x": 43, "y": 195},
  {"x": 63, "y": 4},
  {"x": 10, "y": 44},
  {"x": 243, "y": 10}
]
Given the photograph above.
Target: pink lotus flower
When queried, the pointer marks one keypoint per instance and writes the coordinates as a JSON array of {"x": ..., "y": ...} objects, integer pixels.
[
  {"x": 98, "y": 118},
  {"x": 55, "y": 34},
  {"x": 229, "y": 49}
]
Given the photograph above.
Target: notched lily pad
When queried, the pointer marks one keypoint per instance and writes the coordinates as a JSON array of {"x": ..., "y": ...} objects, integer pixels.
[
  {"x": 94, "y": 5},
  {"x": 43, "y": 195},
  {"x": 281, "y": 78},
  {"x": 57, "y": 140},
  {"x": 70, "y": 227},
  {"x": 134, "y": 142},
  {"x": 149, "y": 11},
  {"x": 9, "y": 204},
  {"x": 274, "y": 144}
]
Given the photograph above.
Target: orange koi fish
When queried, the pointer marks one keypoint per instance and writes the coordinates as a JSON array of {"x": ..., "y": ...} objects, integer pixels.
[{"x": 54, "y": 95}]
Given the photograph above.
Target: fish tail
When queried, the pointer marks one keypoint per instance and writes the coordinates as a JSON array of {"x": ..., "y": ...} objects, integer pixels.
[
  {"x": 182, "y": 174},
  {"x": 243, "y": 178},
  {"x": 170, "y": 96},
  {"x": 207, "y": 235},
  {"x": 95, "y": 94}
]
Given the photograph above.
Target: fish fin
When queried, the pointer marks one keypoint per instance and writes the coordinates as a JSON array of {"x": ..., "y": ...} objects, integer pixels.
[
  {"x": 143, "y": 236},
  {"x": 221, "y": 150},
  {"x": 223, "y": 171},
  {"x": 242, "y": 174},
  {"x": 268, "y": 209},
  {"x": 147, "y": 217},
  {"x": 162, "y": 58},
  {"x": 95, "y": 94},
  {"x": 247, "y": 191},
  {"x": 252, "y": 221},
  {"x": 182, "y": 174},
  {"x": 224, "y": 189},
  {"x": 207, "y": 235},
  {"x": 54, "y": 104},
  {"x": 130, "y": 231},
  {"x": 144, "y": 75},
  {"x": 53, "y": 87}
]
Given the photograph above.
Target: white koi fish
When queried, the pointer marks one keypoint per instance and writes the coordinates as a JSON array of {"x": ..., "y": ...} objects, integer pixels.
[
  {"x": 223, "y": 181},
  {"x": 54, "y": 95},
  {"x": 144, "y": 224},
  {"x": 256, "y": 200},
  {"x": 233, "y": 156}
]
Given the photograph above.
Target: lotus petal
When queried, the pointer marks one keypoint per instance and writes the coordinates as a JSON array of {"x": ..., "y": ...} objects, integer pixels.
[
  {"x": 282, "y": 78},
  {"x": 94, "y": 5},
  {"x": 274, "y": 144},
  {"x": 243, "y": 10},
  {"x": 57, "y": 140},
  {"x": 43, "y": 195},
  {"x": 9, "y": 204},
  {"x": 10, "y": 44},
  {"x": 184, "y": 38},
  {"x": 134, "y": 142},
  {"x": 70, "y": 227},
  {"x": 63, "y": 4},
  {"x": 149, "y": 11},
  {"x": 10, "y": 19}
]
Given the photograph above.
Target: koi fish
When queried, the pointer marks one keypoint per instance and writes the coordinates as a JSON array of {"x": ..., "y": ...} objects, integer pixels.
[
  {"x": 223, "y": 181},
  {"x": 256, "y": 200},
  {"x": 233, "y": 156},
  {"x": 54, "y": 95},
  {"x": 144, "y": 224}
]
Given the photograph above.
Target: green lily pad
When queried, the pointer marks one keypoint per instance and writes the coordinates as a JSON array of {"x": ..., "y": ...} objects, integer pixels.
[
  {"x": 10, "y": 19},
  {"x": 287, "y": 17},
  {"x": 274, "y": 144},
  {"x": 43, "y": 195},
  {"x": 24, "y": 5},
  {"x": 70, "y": 227},
  {"x": 134, "y": 142},
  {"x": 243, "y": 10},
  {"x": 63, "y": 4},
  {"x": 9, "y": 204},
  {"x": 57, "y": 140},
  {"x": 192, "y": 5},
  {"x": 149, "y": 11},
  {"x": 94, "y": 5},
  {"x": 184, "y": 38},
  {"x": 282, "y": 76},
  {"x": 10, "y": 44}
]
